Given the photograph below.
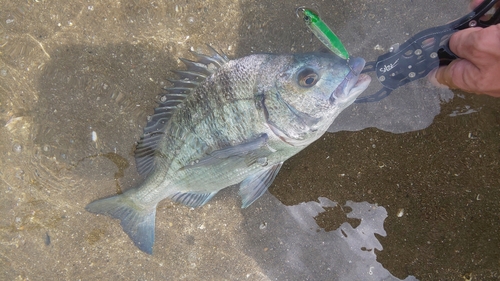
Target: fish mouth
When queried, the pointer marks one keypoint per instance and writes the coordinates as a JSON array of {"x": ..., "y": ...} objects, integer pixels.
[{"x": 354, "y": 83}]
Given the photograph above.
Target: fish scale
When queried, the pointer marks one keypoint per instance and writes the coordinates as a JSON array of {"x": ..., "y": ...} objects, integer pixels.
[{"x": 227, "y": 122}]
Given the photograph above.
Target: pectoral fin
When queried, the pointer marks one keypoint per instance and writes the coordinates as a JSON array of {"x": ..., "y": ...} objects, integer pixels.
[
  {"x": 255, "y": 185},
  {"x": 248, "y": 152}
]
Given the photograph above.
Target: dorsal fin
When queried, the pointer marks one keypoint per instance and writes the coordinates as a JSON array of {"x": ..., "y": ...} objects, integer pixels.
[{"x": 197, "y": 72}]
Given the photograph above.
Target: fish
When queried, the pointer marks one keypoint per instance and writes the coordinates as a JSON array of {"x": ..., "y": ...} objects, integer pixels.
[
  {"x": 226, "y": 122},
  {"x": 321, "y": 30}
]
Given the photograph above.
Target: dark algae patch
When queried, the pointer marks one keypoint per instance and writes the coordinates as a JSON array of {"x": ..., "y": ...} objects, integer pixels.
[{"x": 444, "y": 178}]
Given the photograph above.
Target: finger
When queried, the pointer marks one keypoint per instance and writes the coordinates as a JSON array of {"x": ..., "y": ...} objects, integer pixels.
[
  {"x": 459, "y": 74},
  {"x": 432, "y": 78},
  {"x": 443, "y": 77},
  {"x": 475, "y": 3},
  {"x": 462, "y": 42}
]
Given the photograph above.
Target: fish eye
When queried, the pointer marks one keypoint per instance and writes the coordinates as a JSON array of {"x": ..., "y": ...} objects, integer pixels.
[{"x": 308, "y": 78}]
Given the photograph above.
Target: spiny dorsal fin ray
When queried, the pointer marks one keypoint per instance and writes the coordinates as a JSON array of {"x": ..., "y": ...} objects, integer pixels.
[
  {"x": 197, "y": 72},
  {"x": 190, "y": 75},
  {"x": 196, "y": 67},
  {"x": 214, "y": 58},
  {"x": 184, "y": 83},
  {"x": 217, "y": 54}
]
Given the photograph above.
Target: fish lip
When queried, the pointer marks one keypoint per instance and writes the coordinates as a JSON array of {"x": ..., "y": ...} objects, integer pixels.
[{"x": 353, "y": 84}]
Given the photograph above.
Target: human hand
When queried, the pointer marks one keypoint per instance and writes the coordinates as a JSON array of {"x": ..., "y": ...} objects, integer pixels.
[
  {"x": 475, "y": 3},
  {"x": 478, "y": 68}
]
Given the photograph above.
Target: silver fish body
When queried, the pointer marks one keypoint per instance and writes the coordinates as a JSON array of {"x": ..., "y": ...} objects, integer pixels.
[{"x": 227, "y": 122}]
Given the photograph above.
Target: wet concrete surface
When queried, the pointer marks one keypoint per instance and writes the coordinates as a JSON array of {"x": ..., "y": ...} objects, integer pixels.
[
  {"x": 78, "y": 79},
  {"x": 444, "y": 179}
]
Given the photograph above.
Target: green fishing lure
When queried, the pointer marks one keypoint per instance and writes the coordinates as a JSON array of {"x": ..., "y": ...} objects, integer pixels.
[{"x": 322, "y": 31}]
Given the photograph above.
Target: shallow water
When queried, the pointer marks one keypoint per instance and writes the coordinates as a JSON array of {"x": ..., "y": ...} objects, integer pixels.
[{"x": 77, "y": 81}]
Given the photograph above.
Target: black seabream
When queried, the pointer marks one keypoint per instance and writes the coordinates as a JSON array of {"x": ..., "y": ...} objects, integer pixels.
[{"x": 227, "y": 122}]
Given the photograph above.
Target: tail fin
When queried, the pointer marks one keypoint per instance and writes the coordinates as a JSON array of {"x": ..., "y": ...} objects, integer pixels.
[{"x": 138, "y": 223}]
